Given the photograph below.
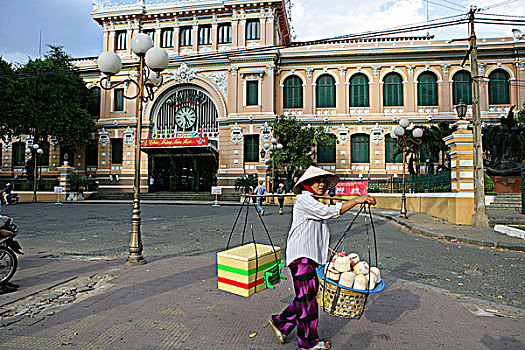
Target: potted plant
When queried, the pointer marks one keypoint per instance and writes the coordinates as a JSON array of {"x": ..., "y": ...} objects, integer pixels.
[
  {"x": 78, "y": 183},
  {"x": 246, "y": 184}
]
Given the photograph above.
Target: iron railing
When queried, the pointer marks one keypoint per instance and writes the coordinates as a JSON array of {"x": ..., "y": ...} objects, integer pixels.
[{"x": 440, "y": 182}]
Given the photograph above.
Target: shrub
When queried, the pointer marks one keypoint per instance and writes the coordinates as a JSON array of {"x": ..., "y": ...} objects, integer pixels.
[{"x": 489, "y": 185}]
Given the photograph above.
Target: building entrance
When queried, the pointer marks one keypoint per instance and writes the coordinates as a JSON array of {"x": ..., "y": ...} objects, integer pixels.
[{"x": 178, "y": 172}]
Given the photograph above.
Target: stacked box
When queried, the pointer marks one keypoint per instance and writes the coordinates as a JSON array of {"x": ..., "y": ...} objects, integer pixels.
[{"x": 236, "y": 268}]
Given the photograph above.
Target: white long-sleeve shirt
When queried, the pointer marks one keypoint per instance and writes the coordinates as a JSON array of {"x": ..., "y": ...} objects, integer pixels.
[{"x": 309, "y": 236}]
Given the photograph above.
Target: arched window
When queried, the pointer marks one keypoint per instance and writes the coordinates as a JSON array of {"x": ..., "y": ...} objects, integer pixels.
[
  {"x": 499, "y": 87},
  {"x": 462, "y": 87},
  {"x": 360, "y": 148},
  {"x": 19, "y": 155},
  {"x": 94, "y": 104},
  {"x": 293, "y": 92},
  {"x": 325, "y": 91},
  {"x": 390, "y": 150},
  {"x": 359, "y": 91},
  {"x": 427, "y": 89},
  {"x": 393, "y": 90},
  {"x": 43, "y": 159},
  {"x": 326, "y": 151}
]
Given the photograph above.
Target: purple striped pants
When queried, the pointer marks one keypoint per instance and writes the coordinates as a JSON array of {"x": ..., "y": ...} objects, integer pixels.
[{"x": 302, "y": 311}]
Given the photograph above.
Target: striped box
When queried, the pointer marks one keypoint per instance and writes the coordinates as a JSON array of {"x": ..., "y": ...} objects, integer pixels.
[{"x": 236, "y": 268}]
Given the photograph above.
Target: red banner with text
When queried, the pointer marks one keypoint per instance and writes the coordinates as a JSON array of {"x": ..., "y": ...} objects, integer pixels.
[
  {"x": 179, "y": 142},
  {"x": 351, "y": 188}
]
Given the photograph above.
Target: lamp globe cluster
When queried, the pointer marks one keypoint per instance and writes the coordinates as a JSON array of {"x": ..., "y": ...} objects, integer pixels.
[{"x": 400, "y": 130}]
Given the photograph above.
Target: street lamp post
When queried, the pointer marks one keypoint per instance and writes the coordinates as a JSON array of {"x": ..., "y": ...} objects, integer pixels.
[
  {"x": 275, "y": 145},
  {"x": 152, "y": 61},
  {"x": 406, "y": 143},
  {"x": 35, "y": 152}
]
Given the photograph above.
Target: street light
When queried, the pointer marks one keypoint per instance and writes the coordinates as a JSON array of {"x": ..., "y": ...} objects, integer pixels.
[
  {"x": 406, "y": 143},
  {"x": 152, "y": 61},
  {"x": 275, "y": 145},
  {"x": 461, "y": 108},
  {"x": 35, "y": 152}
]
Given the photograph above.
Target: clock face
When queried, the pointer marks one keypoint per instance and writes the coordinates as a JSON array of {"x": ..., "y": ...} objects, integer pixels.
[{"x": 185, "y": 117}]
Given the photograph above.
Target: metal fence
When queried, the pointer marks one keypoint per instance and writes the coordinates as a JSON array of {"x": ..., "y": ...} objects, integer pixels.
[{"x": 439, "y": 182}]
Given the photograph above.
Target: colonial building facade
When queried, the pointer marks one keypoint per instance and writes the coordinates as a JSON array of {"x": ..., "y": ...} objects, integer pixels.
[{"x": 234, "y": 67}]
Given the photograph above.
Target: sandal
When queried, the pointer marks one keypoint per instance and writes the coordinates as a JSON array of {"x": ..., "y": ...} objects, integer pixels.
[
  {"x": 321, "y": 345},
  {"x": 280, "y": 336}
]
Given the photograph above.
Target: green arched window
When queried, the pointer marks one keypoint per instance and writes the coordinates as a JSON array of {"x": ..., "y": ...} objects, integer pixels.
[
  {"x": 393, "y": 90},
  {"x": 427, "y": 89},
  {"x": 325, "y": 91},
  {"x": 326, "y": 151},
  {"x": 293, "y": 92},
  {"x": 359, "y": 91},
  {"x": 499, "y": 87},
  {"x": 360, "y": 148},
  {"x": 462, "y": 87},
  {"x": 19, "y": 155},
  {"x": 390, "y": 150},
  {"x": 94, "y": 104}
]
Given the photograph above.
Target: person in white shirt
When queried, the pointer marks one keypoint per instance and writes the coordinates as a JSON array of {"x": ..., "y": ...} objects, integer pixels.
[
  {"x": 260, "y": 190},
  {"x": 307, "y": 248}
]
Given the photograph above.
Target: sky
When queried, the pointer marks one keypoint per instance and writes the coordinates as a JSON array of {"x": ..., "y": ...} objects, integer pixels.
[{"x": 68, "y": 22}]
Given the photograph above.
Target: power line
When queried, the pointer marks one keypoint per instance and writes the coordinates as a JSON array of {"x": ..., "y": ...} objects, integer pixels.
[
  {"x": 453, "y": 3},
  {"x": 498, "y": 4},
  {"x": 448, "y": 7}
]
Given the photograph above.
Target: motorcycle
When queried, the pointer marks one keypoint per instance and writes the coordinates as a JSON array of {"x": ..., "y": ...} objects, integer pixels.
[
  {"x": 9, "y": 247},
  {"x": 12, "y": 198}
]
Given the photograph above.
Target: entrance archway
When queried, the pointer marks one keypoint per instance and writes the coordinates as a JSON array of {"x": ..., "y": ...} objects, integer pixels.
[{"x": 182, "y": 142}]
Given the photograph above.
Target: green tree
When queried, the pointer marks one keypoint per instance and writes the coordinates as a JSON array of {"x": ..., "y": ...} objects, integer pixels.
[
  {"x": 52, "y": 100},
  {"x": 299, "y": 142},
  {"x": 246, "y": 183},
  {"x": 433, "y": 143},
  {"x": 7, "y": 100}
]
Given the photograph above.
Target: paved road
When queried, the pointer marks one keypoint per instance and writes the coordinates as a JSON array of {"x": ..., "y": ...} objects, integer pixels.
[{"x": 85, "y": 231}]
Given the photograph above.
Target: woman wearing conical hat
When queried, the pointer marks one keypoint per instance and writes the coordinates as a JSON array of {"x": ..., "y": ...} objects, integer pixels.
[{"x": 307, "y": 248}]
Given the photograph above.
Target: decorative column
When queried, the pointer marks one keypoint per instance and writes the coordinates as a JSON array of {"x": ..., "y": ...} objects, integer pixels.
[
  {"x": 309, "y": 102},
  {"x": 214, "y": 36},
  {"x": 195, "y": 36},
  {"x": 461, "y": 145},
  {"x": 63, "y": 180},
  {"x": 176, "y": 37}
]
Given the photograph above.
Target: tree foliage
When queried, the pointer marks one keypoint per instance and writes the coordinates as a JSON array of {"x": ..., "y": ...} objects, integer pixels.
[
  {"x": 433, "y": 143},
  {"x": 50, "y": 98},
  {"x": 299, "y": 142}
]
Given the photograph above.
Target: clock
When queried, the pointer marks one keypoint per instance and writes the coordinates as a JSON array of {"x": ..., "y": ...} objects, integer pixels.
[{"x": 185, "y": 117}]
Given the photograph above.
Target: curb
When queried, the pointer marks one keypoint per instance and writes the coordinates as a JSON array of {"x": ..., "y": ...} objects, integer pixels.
[{"x": 457, "y": 239}]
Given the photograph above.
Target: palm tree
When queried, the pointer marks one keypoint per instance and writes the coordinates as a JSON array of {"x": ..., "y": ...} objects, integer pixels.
[
  {"x": 433, "y": 143},
  {"x": 246, "y": 183}
]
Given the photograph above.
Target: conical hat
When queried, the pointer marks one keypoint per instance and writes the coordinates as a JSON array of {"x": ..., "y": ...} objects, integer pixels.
[{"x": 330, "y": 179}]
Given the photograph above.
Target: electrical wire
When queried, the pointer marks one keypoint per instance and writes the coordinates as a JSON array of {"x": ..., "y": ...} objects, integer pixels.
[
  {"x": 448, "y": 7},
  {"x": 498, "y": 4},
  {"x": 453, "y": 3}
]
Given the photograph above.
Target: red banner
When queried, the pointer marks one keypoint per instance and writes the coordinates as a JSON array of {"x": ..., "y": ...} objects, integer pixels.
[
  {"x": 351, "y": 188},
  {"x": 180, "y": 142}
]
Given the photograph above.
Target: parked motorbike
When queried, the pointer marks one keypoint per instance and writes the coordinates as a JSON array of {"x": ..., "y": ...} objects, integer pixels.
[
  {"x": 12, "y": 198},
  {"x": 9, "y": 247}
]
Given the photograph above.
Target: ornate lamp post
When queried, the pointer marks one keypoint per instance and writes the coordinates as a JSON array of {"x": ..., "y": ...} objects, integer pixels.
[
  {"x": 36, "y": 152},
  {"x": 272, "y": 148},
  {"x": 405, "y": 143},
  {"x": 461, "y": 108},
  {"x": 152, "y": 61}
]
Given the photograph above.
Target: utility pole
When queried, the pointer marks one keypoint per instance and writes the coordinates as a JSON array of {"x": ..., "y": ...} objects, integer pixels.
[{"x": 479, "y": 219}]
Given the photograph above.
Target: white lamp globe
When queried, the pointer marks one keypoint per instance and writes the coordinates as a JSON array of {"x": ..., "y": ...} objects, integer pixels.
[
  {"x": 273, "y": 140},
  {"x": 279, "y": 146},
  {"x": 28, "y": 150},
  {"x": 153, "y": 79},
  {"x": 141, "y": 43},
  {"x": 157, "y": 59},
  {"x": 417, "y": 132},
  {"x": 399, "y": 131},
  {"x": 109, "y": 63},
  {"x": 266, "y": 145},
  {"x": 36, "y": 146},
  {"x": 404, "y": 123},
  {"x": 393, "y": 134},
  {"x": 40, "y": 151}
]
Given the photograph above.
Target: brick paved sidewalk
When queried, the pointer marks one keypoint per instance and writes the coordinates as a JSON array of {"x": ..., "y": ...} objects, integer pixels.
[{"x": 174, "y": 304}]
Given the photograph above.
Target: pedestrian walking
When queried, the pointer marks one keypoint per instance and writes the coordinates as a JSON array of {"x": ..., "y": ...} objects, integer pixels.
[
  {"x": 280, "y": 199},
  {"x": 151, "y": 183},
  {"x": 307, "y": 248},
  {"x": 260, "y": 190}
]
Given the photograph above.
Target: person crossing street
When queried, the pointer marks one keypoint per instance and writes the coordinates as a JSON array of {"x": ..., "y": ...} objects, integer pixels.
[{"x": 259, "y": 191}]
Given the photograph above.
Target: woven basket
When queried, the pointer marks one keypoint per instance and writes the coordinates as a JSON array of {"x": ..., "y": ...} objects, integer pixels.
[{"x": 341, "y": 301}]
